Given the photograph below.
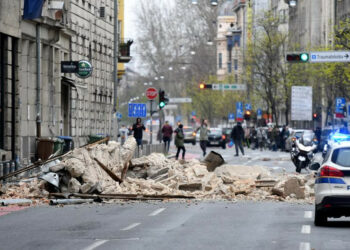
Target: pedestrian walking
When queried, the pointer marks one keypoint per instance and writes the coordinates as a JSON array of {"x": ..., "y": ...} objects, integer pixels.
[
  {"x": 262, "y": 138},
  {"x": 123, "y": 134},
  {"x": 179, "y": 142},
  {"x": 254, "y": 138},
  {"x": 275, "y": 138},
  {"x": 237, "y": 135},
  {"x": 247, "y": 136},
  {"x": 138, "y": 128},
  {"x": 203, "y": 136},
  {"x": 167, "y": 131}
]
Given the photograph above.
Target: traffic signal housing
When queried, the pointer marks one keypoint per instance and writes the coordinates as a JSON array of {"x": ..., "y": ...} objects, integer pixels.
[
  {"x": 247, "y": 115},
  {"x": 205, "y": 86},
  {"x": 163, "y": 100},
  {"x": 297, "y": 57}
]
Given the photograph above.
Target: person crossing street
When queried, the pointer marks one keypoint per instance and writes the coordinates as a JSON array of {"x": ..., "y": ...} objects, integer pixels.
[
  {"x": 203, "y": 136},
  {"x": 237, "y": 136}
]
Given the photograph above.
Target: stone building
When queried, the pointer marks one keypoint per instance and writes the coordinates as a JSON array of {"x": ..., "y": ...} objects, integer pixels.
[{"x": 36, "y": 98}]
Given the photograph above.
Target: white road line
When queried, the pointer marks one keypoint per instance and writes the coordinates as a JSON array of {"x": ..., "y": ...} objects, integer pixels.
[
  {"x": 158, "y": 211},
  {"x": 306, "y": 229},
  {"x": 304, "y": 246},
  {"x": 308, "y": 214},
  {"x": 130, "y": 227},
  {"x": 95, "y": 244}
]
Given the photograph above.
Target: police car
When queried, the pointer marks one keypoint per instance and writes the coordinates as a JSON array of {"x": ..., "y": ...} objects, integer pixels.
[{"x": 332, "y": 185}]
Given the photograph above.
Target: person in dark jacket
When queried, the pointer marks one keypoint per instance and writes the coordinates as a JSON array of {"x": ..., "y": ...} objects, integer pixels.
[
  {"x": 237, "y": 136},
  {"x": 167, "y": 131},
  {"x": 179, "y": 142},
  {"x": 138, "y": 128}
]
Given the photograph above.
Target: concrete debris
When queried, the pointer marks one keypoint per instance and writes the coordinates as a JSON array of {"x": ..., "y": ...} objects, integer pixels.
[{"x": 108, "y": 170}]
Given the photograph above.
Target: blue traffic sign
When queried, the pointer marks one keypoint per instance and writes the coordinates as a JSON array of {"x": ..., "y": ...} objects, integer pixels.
[
  {"x": 137, "y": 110},
  {"x": 339, "y": 104},
  {"x": 239, "y": 110},
  {"x": 193, "y": 113},
  {"x": 231, "y": 116},
  {"x": 248, "y": 106},
  {"x": 119, "y": 115},
  {"x": 259, "y": 113}
]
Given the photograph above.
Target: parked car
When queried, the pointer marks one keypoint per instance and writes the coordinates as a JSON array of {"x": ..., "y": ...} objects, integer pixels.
[
  {"x": 332, "y": 185},
  {"x": 190, "y": 135},
  {"x": 226, "y": 132},
  {"x": 216, "y": 138}
]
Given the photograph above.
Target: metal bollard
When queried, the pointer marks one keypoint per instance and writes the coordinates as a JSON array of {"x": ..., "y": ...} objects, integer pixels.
[
  {"x": 12, "y": 167},
  {"x": 1, "y": 169}
]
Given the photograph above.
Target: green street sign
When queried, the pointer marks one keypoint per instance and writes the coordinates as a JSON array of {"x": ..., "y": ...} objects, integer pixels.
[{"x": 84, "y": 69}]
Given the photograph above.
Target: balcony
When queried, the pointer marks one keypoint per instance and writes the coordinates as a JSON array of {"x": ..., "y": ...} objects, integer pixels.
[{"x": 124, "y": 51}]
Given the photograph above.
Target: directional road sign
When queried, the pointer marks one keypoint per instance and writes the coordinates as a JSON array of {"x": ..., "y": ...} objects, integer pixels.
[
  {"x": 248, "y": 106},
  {"x": 231, "y": 117},
  {"x": 259, "y": 113},
  {"x": 239, "y": 111},
  {"x": 180, "y": 100},
  {"x": 137, "y": 110},
  {"x": 329, "y": 56},
  {"x": 226, "y": 86}
]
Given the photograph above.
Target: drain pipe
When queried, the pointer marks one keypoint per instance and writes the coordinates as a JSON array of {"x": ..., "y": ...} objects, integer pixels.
[
  {"x": 38, "y": 78},
  {"x": 115, "y": 55}
]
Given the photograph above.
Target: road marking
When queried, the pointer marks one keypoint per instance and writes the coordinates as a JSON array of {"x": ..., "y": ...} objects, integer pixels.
[
  {"x": 306, "y": 229},
  {"x": 304, "y": 246},
  {"x": 158, "y": 211},
  {"x": 130, "y": 227},
  {"x": 308, "y": 214},
  {"x": 96, "y": 245}
]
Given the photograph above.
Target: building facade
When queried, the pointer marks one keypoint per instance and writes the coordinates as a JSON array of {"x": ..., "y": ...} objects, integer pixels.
[{"x": 36, "y": 98}]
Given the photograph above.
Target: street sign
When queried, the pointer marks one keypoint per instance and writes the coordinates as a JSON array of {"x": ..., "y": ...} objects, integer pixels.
[
  {"x": 151, "y": 93},
  {"x": 171, "y": 106},
  {"x": 259, "y": 113},
  {"x": 180, "y": 100},
  {"x": 231, "y": 117},
  {"x": 137, "y": 110},
  {"x": 69, "y": 66},
  {"x": 84, "y": 69},
  {"x": 248, "y": 106},
  {"x": 193, "y": 113},
  {"x": 340, "y": 103},
  {"x": 119, "y": 115},
  {"x": 239, "y": 111},
  {"x": 301, "y": 103},
  {"x": 226, "y": 86},
  {"x": 329, "y": 56}
]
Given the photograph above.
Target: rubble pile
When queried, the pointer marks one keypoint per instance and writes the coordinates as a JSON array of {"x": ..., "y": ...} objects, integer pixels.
[{"x": 110, "y": 169}]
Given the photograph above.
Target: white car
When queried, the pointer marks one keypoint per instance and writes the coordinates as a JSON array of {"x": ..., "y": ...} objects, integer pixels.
[{"x": 332, "y": 185}]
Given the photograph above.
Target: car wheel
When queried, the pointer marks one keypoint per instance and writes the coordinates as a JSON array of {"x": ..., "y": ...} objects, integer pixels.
[
  {"x": 320, "y": 218},
  {"x": 299, "y": 167},
  {"x": 194, "y": 143}
]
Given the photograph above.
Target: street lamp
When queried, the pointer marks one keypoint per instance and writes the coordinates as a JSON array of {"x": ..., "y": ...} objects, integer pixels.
[
  {"x": 194, "y": 2},
  {"x": 214, "y": 2},
  {"x": 170, "y": 68},
  {"x": 193, "y": 52}
]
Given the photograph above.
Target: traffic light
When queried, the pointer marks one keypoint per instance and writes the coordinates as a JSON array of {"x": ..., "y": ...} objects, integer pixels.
[
  {"x": 205, "y": 86},
  {"x": 247, "y": 114},
  {"x": 163, "y": 100},
  {"x": 297, "y": 57}
]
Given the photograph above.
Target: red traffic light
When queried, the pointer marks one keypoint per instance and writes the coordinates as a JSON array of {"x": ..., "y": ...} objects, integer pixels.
[{"x": 315, "y": 115}]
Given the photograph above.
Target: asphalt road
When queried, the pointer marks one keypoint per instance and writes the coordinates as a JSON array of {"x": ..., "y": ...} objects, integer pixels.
[
  {"x": 178, "y": 225},
  {"x": 275, "y": 161}
]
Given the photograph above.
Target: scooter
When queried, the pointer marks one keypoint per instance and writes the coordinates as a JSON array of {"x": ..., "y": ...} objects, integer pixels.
[{"x": 301, "y": 155}]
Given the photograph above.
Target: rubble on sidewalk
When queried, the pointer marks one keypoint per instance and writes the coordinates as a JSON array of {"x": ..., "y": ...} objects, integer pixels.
[{"x": 107, "y": 171}]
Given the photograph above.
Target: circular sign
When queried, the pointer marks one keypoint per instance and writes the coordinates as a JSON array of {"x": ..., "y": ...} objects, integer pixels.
[
  {"x": 84, "y": 69},
  {"x": 151, "y": 93}
]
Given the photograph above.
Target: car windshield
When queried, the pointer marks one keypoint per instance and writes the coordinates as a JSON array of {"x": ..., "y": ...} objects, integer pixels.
[
  {"x": 188, "y": 129},
  {"x": 298, "y": 134},
  {"x": 341, "y": 157},
  {"x": 215, "y": 131}
]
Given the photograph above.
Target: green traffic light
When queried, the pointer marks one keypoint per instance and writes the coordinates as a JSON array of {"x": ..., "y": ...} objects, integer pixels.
[
  {"x": 162, "y": 104},
  {"x": 304, "y": 57}
]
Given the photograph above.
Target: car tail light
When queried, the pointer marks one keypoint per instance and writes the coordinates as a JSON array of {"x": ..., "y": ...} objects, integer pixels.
[
  {"x": 330, "y": 171},
  {"x": 223, "y": 137},
  {"x": 194, "y": 134}
]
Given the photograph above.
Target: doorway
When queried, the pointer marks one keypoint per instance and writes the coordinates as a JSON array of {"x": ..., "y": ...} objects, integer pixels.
[{"x": 65, "y": 109}]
